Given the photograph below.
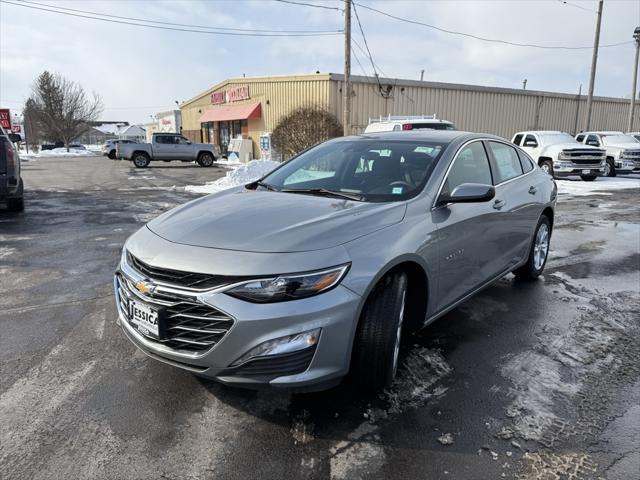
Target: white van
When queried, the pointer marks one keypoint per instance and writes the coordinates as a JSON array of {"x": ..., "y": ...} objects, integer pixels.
[{"x": 398, "y": 123}]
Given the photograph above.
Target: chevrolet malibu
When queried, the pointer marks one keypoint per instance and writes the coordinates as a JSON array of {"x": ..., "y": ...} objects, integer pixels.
[{"x": 319, "y": 268}]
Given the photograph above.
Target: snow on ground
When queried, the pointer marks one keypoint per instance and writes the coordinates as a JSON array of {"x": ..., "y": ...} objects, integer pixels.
[
  {"x": 56, "y": 152},
  {"x": 241, "y": 175},
  {"x": 599, "y": 186}
]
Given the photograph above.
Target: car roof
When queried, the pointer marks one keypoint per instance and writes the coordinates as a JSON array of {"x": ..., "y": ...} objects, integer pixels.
[
  {"x": 446, "y": 136},
  {"x": 601, "y": 133}
]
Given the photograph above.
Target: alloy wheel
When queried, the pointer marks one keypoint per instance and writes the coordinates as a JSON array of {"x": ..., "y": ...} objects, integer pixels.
[{"x": 541, "y": 247}]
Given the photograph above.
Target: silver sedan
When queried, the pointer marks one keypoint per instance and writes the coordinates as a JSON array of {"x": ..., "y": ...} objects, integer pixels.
[{"x": 320, "y": 267}]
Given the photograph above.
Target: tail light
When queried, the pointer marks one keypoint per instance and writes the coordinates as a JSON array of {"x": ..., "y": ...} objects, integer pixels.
[
  {"x": 12, "y": 158},
  {"x": 407, "y": 126}
]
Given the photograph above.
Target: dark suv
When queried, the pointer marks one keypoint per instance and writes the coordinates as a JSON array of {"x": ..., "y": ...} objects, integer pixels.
[{"x": 11, "y": 187}]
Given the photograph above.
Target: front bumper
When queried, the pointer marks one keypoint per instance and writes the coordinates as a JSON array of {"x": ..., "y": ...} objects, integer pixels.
[
  {"x": 626, "y": 166},
  {"x": 334, "y": 312},
  {"x": 574, "y": 169}
]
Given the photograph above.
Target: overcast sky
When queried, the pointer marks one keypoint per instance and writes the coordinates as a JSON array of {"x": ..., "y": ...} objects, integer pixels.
[{"x": 140, "y": 71}]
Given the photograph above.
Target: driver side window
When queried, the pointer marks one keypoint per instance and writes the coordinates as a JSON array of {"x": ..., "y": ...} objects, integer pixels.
[
  {"x": 471, "y": 165},
  {"x": 593, "y": 140}
]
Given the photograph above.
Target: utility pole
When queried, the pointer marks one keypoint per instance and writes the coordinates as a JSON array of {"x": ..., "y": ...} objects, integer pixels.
[
  {"x": 346, "y": 87},
  {"x": 575, "y": 127},
  {"x": 632, "y": 104},
  {"x": 594, "y": 61}
]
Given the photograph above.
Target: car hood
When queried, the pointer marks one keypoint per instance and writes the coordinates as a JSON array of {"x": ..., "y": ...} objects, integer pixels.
[
  {"x": 270, "y": 222},
  {"x": 574, "y": 146},
  {"x": 625, "y": 146}
]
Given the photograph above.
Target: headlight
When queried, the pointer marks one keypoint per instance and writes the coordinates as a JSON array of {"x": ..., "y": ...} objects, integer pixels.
[
  {"x": 562, "y": 156},
  {"x": 289, "y": 287}
]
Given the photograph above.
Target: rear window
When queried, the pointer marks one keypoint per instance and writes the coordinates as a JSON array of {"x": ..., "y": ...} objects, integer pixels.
[{"x": 506, "y": 161}]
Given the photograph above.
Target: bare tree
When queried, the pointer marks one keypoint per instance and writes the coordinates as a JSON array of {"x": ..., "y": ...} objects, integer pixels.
[
  {"x": 60, "y": 109},
  {"x": 304, "y": 127}
]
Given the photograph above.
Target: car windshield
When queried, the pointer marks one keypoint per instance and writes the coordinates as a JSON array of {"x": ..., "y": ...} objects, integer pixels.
[
  {"x": 363, "y": 169},
  {"x": 615, "y": 139},
  {"x": 553, "y": 138}
]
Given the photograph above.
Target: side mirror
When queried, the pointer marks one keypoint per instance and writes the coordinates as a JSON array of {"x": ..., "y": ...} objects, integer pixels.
[
  {"x": 14, "y": 137},
  {"x": 530, "y": 143},
  {"x": 593, "y": 143},
  {"x": 469, "y": 193}
]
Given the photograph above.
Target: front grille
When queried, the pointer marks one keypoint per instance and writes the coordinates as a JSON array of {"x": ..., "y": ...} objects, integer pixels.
[
  {"x": 192, "y": 280},
  {"x": 274, "y": 366},
  {"x": 594, "y": 163},
  {"x": 188, "y": 324},
  {"x": 631, "y": 154}
]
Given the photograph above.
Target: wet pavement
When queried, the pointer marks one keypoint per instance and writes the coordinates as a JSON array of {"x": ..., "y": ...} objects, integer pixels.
[{"x": 525, "y": 381}]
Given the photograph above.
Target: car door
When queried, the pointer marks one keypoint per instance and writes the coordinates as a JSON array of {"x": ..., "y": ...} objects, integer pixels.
[
  {"x": 517, "y": 201},
  {"x": 162, "y": 147},
  {"x": 183, "y": 149},
  {"x": 466, "y": 232},
  {"x": 531, "y": 145}
]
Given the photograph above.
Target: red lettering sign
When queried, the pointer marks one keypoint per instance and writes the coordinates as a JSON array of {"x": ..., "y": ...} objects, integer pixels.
[
  {"x": 5, "y": 119},
  {"x": 234, "y": 94},
  {"x": 16, "y": 128}
]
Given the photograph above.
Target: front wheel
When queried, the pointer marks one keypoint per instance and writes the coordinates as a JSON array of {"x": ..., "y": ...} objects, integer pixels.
[
  {"x": 15, "y": 204},
  {"x": 141, "y": 160},
  {"x": 112, "y": 155},
  {"x": 609, "y": 168},
  {"x": 205, "y": 160},
  {"x": 539, "y": 251},
  {"x": 547, "y": 167},
  {"x": 377, "y": 343},
  {"x": 588, "y": 178}
]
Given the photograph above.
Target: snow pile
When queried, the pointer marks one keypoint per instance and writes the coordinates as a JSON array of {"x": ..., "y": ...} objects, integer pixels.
[
  {"x": 600, "y": 186},
  {"x": 241, "y": 175},
  {"x": 56, "y": 152}
]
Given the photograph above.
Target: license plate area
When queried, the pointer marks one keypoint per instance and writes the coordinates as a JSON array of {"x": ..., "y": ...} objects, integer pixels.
[
  {"x": 586, "y": 172},
  {"x": 146, "y": 319}
]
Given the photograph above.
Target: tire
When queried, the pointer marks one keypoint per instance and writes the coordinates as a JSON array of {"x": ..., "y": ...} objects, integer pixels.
[
  {"x": 112, "y": 155},
  {"x": 377, "y": 341},
  {"x": 610, "y": 168},
  {"x": 547, "y": 166},
  {"x": 588, "y": 178},
  {"x": 206, "y": 160},
  {"x": 15, "y": 204},
  {"x": 141, "y": 160},
  {"x": 535, "y": 264}
]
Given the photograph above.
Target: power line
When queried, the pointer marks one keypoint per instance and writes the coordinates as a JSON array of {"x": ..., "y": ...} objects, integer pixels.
[
  {"x": 365, "y": 54},
  {"x": 577, "y": 6},
  {"x": 353, "y": 52},
  {"x": 173, "y": 23},
  {"x": 305, "y": 4},
  {"x": 484, "y": 39},
  {"x": 209, "y": 32}
]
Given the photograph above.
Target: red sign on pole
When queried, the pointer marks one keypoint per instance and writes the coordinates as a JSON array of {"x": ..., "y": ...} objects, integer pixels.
[
  {"x": 16, "y": 128},
  {"x": 5, "y": 119}
]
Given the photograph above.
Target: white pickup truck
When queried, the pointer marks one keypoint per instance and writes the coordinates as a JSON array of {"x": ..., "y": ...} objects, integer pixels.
[
  {"x": 560, "y": 155},
  {"x": 166, "y": 147},
  {"x": 623, "y": 151}
]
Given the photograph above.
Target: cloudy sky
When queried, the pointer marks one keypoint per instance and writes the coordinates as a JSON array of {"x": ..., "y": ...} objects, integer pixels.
[{"x": 139, "y": 71}]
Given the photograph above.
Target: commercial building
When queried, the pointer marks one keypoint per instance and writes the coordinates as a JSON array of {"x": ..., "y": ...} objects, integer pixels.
[{"x": 251, "y": 106}]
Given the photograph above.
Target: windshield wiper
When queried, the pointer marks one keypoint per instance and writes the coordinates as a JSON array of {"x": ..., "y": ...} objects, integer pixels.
[
  {"x": 325, "y": 192},
  {"x": 260, "y": 183}
]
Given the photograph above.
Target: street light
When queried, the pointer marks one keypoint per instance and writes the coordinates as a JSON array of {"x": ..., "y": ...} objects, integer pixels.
[{"x": 632, "y": 104}]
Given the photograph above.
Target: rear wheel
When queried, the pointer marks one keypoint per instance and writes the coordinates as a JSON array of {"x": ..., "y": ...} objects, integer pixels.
[
  {"x": 112, "y": 154},
  {"x": 15, "y": 204},
  {"x": 609, "y": 168},
  {"x": 141, "y": 160},
  {"x": 538, "y": 253},
  {"x": 205, "y": 160},
  {"x": 588, "y": 178},
  {"x": 547, "y": 167},
  {"x": 377, "y": 344}
]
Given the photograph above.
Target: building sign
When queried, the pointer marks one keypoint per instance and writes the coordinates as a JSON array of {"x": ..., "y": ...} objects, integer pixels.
[
  {"x": 5, "y": 119},
  {"x": 16, "y": 128},
  {"x": 233, "y": 94}
]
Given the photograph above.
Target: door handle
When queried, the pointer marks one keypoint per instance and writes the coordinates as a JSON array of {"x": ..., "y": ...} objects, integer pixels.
[
  {"x": 498, "y": 204},
  {"x": 533, "y": 190}
]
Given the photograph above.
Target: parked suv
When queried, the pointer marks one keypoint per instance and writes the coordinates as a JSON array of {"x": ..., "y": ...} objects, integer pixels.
[
  {"x": 560, "y": 155},
  {"x": 321, "y": 266},
  {"x": 11, "y": 185},
  {"x": 166, "y": 147},
  {"x": 397, "y": 123},
  {"x": 109, "y": 147},
  {"x": 623, "y": 151}
]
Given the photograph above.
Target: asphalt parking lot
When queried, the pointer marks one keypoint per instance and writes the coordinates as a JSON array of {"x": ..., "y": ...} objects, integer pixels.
[{"x": 525, "y": 381}]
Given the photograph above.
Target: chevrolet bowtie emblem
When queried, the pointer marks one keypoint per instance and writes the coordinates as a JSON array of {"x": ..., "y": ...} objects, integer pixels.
[{"x": 144, "y": 287}]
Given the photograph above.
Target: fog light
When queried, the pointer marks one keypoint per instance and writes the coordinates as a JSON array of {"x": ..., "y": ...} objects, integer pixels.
[{"x": 281, "y": 345}]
